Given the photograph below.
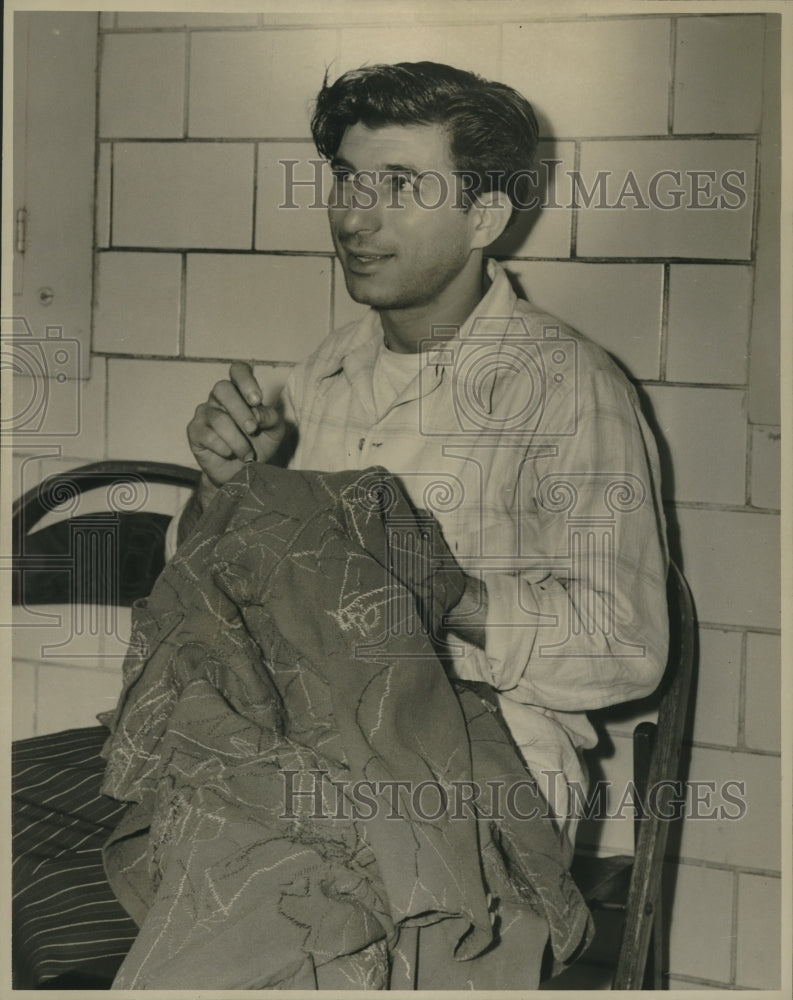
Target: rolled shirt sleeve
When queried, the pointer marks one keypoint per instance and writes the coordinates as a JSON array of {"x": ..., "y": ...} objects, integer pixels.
[{"x": 589, "y": 628}]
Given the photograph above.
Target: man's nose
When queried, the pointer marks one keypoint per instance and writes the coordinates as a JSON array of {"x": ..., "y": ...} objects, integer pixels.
[{"x": 359, "y": 211}]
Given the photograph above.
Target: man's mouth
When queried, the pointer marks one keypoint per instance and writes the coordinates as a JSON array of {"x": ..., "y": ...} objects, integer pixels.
[
  {"x": 365, "y": 262},
  {"x": 360, "y": 255}
]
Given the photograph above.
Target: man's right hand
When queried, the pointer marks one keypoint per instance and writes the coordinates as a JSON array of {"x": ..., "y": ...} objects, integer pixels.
[{"x": 233, "y": 427}]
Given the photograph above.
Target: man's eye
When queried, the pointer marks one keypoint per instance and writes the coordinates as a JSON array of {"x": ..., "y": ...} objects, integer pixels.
[
  {"x": 341, "y": 176},
  {"x": 401, "y": 182}
]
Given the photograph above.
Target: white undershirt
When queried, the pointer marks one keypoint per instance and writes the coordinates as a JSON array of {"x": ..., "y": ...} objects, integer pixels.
[{"x": 392, "y": 374}]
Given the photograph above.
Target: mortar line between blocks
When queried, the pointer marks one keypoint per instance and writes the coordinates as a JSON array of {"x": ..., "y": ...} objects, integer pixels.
[
  {"x": 182, "y": 334},
  {"x": 749, "y": 461},
  {"x": 734, "y": 930},
  {"x": 663, "y": 347},
  {"x": 186, "y": 99},
  {"x": 255, "y": 198},
  {"x": 670, "y": 108},
  {"x": 742, "y": 693},
  {"x": 574, "y": 208},
  {"x": 111, "y": 194},
  {"x": 100, "y": 39}
]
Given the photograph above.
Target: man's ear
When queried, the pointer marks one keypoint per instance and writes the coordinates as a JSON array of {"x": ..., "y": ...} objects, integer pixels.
[{"x": 490, "y": 214}]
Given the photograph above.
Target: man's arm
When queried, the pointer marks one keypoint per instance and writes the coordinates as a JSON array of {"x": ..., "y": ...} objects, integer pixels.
[
  {"x": 468, "y": 619},
  {"x": 583, "y": 623}
]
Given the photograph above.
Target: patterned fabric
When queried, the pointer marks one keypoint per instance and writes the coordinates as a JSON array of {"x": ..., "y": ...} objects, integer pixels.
[
  {"x": 65, "y": 915},
  {"x": 527, "y": 443},
  {"x": 282, "y": 687}
]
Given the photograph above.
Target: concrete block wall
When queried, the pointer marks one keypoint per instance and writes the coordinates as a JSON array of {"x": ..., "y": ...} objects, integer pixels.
[{"x": 196, "y": 265}]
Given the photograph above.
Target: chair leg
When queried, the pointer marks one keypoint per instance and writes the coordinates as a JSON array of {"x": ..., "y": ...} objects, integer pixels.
[{"x": 653, "y": 970}]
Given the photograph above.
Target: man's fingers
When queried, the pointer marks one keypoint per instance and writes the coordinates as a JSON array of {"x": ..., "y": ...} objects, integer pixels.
[
  {"x": 212, "y": 429},
  {"x": 217, "y": 470},
  {"x": 227, "y": 396},
  {"x": 268, "y": 417},
  {"x": 208, "y": 441},
  {"x": 229, "y": 432},
  {"x": 241, "y": 374},
  {"x": 234, "y": 426}
]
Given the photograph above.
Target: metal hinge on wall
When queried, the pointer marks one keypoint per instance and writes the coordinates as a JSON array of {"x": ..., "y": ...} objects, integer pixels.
[{"x": 21, "y": 230}]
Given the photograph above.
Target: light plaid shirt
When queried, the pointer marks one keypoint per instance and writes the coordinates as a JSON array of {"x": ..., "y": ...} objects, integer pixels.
[{"x": 527, "y": 443}]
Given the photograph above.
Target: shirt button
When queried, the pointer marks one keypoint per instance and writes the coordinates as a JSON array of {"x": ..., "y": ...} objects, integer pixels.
[{"x": 361, "y": 444}]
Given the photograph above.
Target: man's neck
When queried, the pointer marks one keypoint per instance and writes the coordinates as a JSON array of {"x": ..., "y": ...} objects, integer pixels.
[{"x": 405, "y": 330}]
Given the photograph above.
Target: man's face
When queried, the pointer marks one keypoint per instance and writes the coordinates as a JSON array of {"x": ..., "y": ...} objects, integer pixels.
[{"x": 402, "y": 239}]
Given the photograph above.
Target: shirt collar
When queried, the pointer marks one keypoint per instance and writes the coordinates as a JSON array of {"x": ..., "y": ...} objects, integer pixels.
[
  {"x": 487, "y": 324},
  {"x": 490, "y": 319}
]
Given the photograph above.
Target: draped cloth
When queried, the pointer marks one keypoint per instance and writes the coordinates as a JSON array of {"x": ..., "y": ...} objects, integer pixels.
[{"x": 294, "y": 758}]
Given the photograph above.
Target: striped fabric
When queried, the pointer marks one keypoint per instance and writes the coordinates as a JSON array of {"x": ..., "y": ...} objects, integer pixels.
[{"x": 68, "y": 927}]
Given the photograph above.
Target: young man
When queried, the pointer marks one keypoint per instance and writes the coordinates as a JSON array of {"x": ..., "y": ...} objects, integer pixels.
[
  {"x": 523, "y": 438},
  {"x": 526, "y": 443}
]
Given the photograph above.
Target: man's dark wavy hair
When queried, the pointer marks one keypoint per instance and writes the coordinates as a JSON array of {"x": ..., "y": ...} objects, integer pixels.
[{"x": 492, "y": 129}]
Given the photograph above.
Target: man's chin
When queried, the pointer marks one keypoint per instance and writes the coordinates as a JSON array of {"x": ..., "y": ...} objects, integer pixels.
[{"x": 366, "y": 293}]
